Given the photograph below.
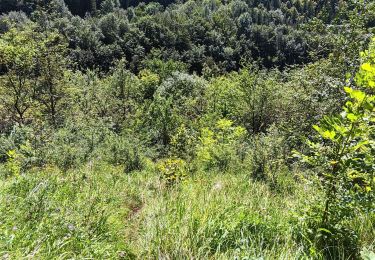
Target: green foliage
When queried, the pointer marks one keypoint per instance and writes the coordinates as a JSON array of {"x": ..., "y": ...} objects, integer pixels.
[
  {"x": 162, "y": 119},
  {"x": 217, "y": 216},
  {"x": 255, "y": 98},
  {"x": 20, "y": 151},
  {"x": 13, "y": 164},
  {"x": 182, "y": 142},
  {"x": 51, "y": 91},
  {"x": 202, "y": 102},
  {"x": 163, "y": 69},
  {"x": 172, "y": 170},
  {"x": 220, "y": 148},
  {"x": 177, "y": 100},
  {"x": 121, "y": 150},
  {"x": 345, "y": 161},
  {"x": 18, "y": 51},
  {"x": 46, "y": 214},
  {"x": 210, "y": 37},
  {"x": 150, "y": 82},
  {"x": 34, "y": 64},
  {"x": 226, "y": 97},
  {"x": 267, "y": 156}
]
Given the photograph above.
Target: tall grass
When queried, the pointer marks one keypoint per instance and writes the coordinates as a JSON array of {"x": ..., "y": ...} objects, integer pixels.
[{"x": 99, "y": 212}]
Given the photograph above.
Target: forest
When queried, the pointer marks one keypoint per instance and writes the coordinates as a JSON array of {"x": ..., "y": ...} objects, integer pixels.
[{"x": 187, "y": 129}]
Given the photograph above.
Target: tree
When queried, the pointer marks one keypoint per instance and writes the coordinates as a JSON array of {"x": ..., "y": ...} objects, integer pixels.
[
  {"x": 33, "y": 67},
  {"x": 51, "y": 67},
  {"x": 18, "y": 51},
  {"x": 108, "y": 6},
  {"x": 344, "y": 156},
  {"x": 12, "y": 19}
]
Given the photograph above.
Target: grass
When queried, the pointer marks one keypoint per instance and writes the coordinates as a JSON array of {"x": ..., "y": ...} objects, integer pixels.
[{"x": 100, "y": 212}]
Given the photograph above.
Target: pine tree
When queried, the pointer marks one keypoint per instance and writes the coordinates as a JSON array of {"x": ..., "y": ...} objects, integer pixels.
[{"x": 93, "y": 7}]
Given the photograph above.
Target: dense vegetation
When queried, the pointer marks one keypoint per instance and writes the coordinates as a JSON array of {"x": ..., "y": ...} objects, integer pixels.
[{"x": 187, "y": 129}]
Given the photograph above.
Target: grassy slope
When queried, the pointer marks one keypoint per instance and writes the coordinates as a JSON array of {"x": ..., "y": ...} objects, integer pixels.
[{"x": 100, "y": 212}]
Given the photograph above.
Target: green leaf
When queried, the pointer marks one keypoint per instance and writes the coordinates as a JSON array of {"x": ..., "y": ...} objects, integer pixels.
[
  {"x": 317, "y": 128},
  {"x": 352, "y": 117},
  {"x": 348, "y": 90},
  {"x": 324, "y": 230},
  {"x": 358, "y": 95},
  {"x": 329, "y": 134},
  {"x": 367, "y": 67},
  {"x": 360, "y": 144}
]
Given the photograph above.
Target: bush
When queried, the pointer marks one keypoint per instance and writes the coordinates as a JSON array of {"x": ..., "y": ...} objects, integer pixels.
[
  {"x": 75, "y": 144},
  {"x": 125, "y": 151},
  {"x": 172, "y": 170},
  {"x": 266, "y": 154},
  {"x": 221, "y": 148},
  {"x": 23, "y": 145},
  {"x": 343, "y": 154},
  {"x": 182, "y": 142}
]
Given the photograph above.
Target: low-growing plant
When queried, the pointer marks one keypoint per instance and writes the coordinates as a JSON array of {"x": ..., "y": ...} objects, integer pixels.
[
  {"x": 19, "y": 159},
  {"x": 13, "y": 165},
  {"x": 48, "y": 215}
]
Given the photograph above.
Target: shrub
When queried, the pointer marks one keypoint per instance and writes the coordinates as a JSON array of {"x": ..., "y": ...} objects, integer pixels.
[
  {"x": 121, "y": 150},
  {"x": 172, "y": 170},
  {"x": 75, "y": 144},
  {"x": 266, "y": 154},
  {"x": 13, "y": 164},
  {"x": 182, "y": 142},
  {"x": 221, "y": 147},
  {"x": 22, "y": 145},
  {"x": 344, "y": 157}
]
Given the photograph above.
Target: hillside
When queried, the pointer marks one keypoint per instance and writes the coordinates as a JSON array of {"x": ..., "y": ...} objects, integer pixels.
[{"x": 239, "y": 129}]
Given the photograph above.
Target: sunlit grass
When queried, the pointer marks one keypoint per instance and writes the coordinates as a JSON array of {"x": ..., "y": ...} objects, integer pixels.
[{"x": 100, "y": 212}]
